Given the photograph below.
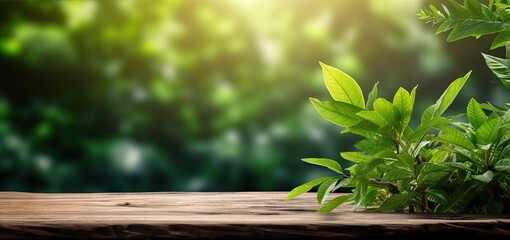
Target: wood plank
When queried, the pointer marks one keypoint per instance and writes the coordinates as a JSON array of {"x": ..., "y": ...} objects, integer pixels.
[{"x": 220, "y": 215}]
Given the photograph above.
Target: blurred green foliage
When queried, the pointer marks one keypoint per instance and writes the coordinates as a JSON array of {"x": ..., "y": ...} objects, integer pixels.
[{"x": 199, "y": 95}]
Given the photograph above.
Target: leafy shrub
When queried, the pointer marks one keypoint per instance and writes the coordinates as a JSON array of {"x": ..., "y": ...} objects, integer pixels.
[{"x": 441, "y": 165}]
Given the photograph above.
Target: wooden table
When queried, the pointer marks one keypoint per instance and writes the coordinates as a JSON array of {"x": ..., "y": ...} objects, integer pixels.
[{"x": 237, "y": 215}]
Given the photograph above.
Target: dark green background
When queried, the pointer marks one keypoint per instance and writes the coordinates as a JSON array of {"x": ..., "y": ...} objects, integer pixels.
[{"x": 196, "y": 95}]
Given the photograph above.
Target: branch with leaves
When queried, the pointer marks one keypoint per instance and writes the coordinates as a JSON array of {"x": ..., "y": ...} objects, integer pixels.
[{"x": 475, "y": 19}]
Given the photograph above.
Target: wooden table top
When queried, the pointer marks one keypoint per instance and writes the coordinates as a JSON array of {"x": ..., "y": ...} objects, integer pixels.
[{"x": 220, "y": 215}]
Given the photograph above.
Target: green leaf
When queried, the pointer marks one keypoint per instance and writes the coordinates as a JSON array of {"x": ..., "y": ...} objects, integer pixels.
[
  {"x": 457, "y": 166},
  {"x": 370, "y": 197},
  {"x": 456, "y": 10},
  {"x": 342, "y": 87},
  {"x": 432, "y": 178},
  {"x": 374, "y": 145},
  {"x": 363, "y": 171},
  {"x": 329, "y": 206},
  {"x": 305, "y": 187},
  {"x": 457, "y": 199},
  {"x": 432, "y": 15},
  {"x": 475, "y": 114},
  {"x": 438, "y": 156},
  {"x": 488, "y": 132},
  {"x": 413, "y": 97},
  {"x": 431, "y": 174},
  {"x": 507, "y": 48},
  {"x": 480, "y": 10},
  {"x": 505, "y": 119},
  {"x": 449, "y": 95},
  {"x": 402, "y": 101},
  {"x": 405, "y": 161},
  {"x": 437, "y": 196},
  {"x": 372, "y": 96},
  {"x": 339, "y": 113},
  {"x": 343, "y": 183},
  {"x": 501, "y": 40},
  {"x": 499, "y": 67},
  {"x": 485, "y": 177},
  {"x": 356, "y": 157},
  {"x": 445, "y": 100},
  {"x": 447, "y": 25},
  {"x": 502, "y": 165},
  {"x": 474, "y": 28},
  {"x": 456, "y": 138},
  {"x": 474, "y": 7},
  {"x": 373, "y": 117},
  {"x": 388, "y": 112},
  {"x": 490, "y": 107},
  {"x": 429, "y": 167},
  {"x": 396, "y": 202},
  {"x": 361, "y": 190},
  {"x": 397, "y": 174},
  {"x": 325, "y": 188},
  {"x": 324, "y": 162},
  {"x": 427, "y": 114},
  {"x": 364, "y": 128},
  {"x": 433, "y": 9},
  {"x": 425, "y": 127},
  {"x": 404, "y": 104}
]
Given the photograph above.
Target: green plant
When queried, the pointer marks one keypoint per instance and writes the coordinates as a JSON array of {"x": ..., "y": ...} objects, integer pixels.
[
  {"x": 488, "y": 155},
  {"x": 441, "y": 165},
  {"x": 395, "y": 167},
  {"x": 484, "y": 145}
]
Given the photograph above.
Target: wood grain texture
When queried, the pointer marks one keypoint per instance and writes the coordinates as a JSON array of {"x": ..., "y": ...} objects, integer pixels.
[{"x": 238, "y": 215}]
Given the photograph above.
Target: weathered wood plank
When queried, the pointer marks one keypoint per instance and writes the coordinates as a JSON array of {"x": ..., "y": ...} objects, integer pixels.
[{"x": 239, "y": 215}]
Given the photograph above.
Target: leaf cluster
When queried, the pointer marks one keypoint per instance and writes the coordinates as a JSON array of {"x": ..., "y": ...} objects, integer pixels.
[
  {"x": 441, "y": 165},
  {"x": 438, "y": 166},
  {"x": 475, "y": 19}
]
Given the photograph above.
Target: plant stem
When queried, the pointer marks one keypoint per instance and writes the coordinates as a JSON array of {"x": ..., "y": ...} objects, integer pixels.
[
  {"x": 425, "y": 202},
  {"x": 392, "y": 187}
]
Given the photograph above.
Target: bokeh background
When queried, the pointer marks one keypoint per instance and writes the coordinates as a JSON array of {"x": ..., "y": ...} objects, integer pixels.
[{"x": 202, "y": 95}]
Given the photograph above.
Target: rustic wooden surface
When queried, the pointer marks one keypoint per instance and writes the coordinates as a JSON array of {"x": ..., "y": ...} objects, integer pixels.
[{"x": 239, "y": 215}]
